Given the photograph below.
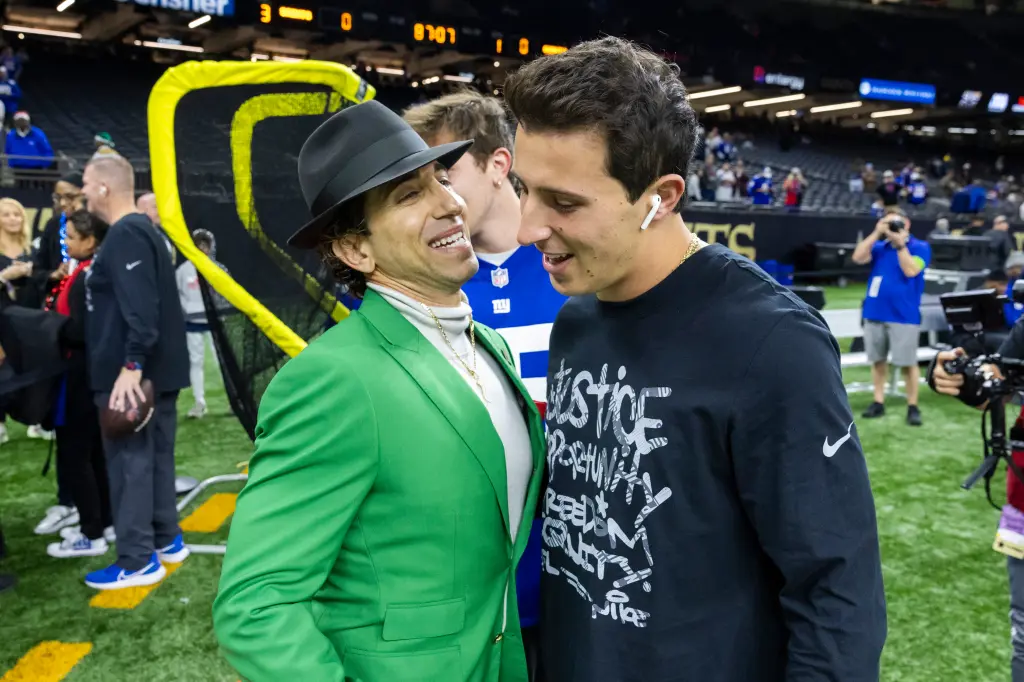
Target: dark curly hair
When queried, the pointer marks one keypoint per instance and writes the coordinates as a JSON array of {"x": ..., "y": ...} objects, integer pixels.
[
  {"x": 87, "y": 225},
  {"x": 349, "y": 222},
  {"x": 629, "y": 94}
]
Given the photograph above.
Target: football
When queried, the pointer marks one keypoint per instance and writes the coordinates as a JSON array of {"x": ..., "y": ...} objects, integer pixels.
[{"x": 118, "y": 424}]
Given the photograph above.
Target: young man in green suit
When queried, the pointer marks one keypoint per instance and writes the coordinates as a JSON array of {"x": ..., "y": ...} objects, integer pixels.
[{"x": 398, "y": 458}]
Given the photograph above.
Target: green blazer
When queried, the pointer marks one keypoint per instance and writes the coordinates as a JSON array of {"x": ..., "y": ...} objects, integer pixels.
[{"x": 371, "y": 541}]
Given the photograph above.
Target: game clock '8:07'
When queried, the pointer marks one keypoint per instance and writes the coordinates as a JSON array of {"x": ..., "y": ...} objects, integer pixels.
[{"x": 442, "y": 35}]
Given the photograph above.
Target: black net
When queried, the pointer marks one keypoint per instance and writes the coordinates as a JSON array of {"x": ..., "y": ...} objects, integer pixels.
[{"x": 222, "y": 134}]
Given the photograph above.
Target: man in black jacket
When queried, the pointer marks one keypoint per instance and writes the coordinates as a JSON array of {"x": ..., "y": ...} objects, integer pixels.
[
  {"x": 708, "y": 514},
  {"x": 135, "y": 329}
]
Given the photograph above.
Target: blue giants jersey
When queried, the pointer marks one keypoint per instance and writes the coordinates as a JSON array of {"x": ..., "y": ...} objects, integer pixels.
[{"x": 517, "y": 299}]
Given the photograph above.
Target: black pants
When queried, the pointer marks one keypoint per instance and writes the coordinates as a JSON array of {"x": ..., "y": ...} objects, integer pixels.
[
  {"x": 81, "y": 464},
  {"x": 142, "y": 493},
  {"x": 531, "y": 642}
]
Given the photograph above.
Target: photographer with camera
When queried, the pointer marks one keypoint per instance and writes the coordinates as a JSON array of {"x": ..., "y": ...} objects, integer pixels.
[
  {"x": 950, "y": 374},
  {"x": 892, "y": 307}
]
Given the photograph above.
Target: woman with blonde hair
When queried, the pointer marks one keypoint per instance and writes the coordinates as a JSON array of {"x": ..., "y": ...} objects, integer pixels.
[{"x": 15, "y": 250}]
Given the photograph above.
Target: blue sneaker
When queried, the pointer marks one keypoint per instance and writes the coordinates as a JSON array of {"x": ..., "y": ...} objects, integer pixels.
[
  {"x": 116, "y": 578},
  {"x": 174, "y": 553}
]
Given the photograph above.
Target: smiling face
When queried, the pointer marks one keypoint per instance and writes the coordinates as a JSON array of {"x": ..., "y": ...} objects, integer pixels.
[
  {"x": 577, "y": 214},
  {"x": 12, "y": 221},
  {"x": 67, "y": 198},
  {"x": 418, "y": 243}
]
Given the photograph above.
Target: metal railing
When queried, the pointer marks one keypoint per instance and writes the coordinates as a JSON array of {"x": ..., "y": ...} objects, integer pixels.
[{"x": 60, "y": 165}]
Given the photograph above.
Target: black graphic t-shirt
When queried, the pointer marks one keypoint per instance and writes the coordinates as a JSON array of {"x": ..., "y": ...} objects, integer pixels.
[{"x": 708, "y": 516}]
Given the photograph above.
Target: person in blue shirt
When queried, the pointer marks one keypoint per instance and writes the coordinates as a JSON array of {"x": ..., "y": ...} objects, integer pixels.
[
  {"x": 511, "y": 292},
  {"x": 760, "y": 189},
  {"x": 726, "y": 150},
  {"x": 27, "y": 147},
  {"x": 1013, "y": 267},
  {"x": 917, "y": 191},
  {"x": 10, "y": 92},
  {"x": 892, "y": 307}
]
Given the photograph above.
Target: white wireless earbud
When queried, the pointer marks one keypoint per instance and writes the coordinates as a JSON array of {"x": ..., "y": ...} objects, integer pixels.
[
  {"x": 103, "y": 191},
  {"x": 655, "y": 205}
]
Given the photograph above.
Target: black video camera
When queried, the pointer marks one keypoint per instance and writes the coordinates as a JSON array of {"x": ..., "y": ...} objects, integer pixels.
[{"x": 973, "y": 313}]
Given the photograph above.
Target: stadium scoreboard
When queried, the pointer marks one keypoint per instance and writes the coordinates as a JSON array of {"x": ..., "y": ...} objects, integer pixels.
[{"x": 413, "y": 30}]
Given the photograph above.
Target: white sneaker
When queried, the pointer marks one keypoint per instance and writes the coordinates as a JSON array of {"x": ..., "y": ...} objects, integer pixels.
[
  {"x": 71, "y": 531},
  {"x": 77, "y": 546},
  {"x": 198, "y": 411},
  {"x": 39, "y": 432},
  {"x": 57, "y": 517},
  {"x": 4, "y": 437}
]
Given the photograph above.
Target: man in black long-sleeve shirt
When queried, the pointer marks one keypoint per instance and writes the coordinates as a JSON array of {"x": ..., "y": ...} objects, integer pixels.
[
  {"x": 135, "y": 329},
  {"x": 708, "y": 516},
  {"x": 1000, "y": 246}
]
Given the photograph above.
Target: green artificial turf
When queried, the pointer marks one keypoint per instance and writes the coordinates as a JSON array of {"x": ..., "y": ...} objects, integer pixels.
[
  {"x": 840, "y": 298},
  {"x": 946, "y": 588}
]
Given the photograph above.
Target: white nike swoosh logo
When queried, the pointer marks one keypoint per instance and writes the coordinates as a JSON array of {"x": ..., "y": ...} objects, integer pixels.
[
  {"x": 131, "y": 266},
  {"x": 830, "y": 450}
]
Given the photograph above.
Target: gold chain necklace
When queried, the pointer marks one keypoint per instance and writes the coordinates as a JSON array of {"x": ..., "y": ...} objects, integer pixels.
[
  {"x": 472, "y": 343},
  {"x": 696, "y": 244}
]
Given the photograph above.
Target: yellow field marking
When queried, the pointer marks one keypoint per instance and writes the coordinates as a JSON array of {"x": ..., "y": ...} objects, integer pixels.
[
  {"x": 211, "y": 515},
  {"x": 47, "y": 662},
  {"x": 129, "y": 597}
]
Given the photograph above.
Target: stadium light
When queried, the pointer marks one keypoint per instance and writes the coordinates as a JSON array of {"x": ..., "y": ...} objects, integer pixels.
[
  {"x": 155, "y": 45},
  {"x": 195, "y": 23},
  {"x": 42, "y": 32},
  {"x": 715, "y": 93},
  {"x": 784, "y": 114},
  {"x": 892, "y": 112},
  {"x": 285, "y": 59},
  {"x": 718, "y": 107},
  {"x": 431, "y": 80},
  {"x": 457, "y": 79},
  {"x": 259, "y": 56},
  {"x": 836, "y": 107},
  {"x": 64, "y": 5},
  {"x": 774, "y": 100},
  {"x": 388, "y": 71}
]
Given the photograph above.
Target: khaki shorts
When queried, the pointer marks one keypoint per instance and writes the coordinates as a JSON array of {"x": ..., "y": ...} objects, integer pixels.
[{"x": 891, "y": 341}]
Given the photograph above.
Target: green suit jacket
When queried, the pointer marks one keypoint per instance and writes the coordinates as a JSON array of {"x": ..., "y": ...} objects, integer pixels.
[{"x": 371, "y": 542}]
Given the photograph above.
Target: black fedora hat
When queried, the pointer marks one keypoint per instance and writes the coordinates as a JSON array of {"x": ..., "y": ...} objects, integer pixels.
[{"x": 357, "y": 149}]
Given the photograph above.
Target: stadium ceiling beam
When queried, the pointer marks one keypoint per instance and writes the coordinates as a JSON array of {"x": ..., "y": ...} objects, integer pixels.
[
  {"x": 338, "y": 52},
  {"x": 112, "y": 25},
  {"x": 224, "y": 42}
]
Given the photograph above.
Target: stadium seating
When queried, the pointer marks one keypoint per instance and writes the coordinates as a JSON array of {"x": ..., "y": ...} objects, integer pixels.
[{"x": 73, "y": 99}]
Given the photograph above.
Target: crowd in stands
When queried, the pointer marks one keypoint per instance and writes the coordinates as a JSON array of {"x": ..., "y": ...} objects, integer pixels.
[
  {"x": 723, "y": 177},
  {"x": 792, "y": 167}
]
